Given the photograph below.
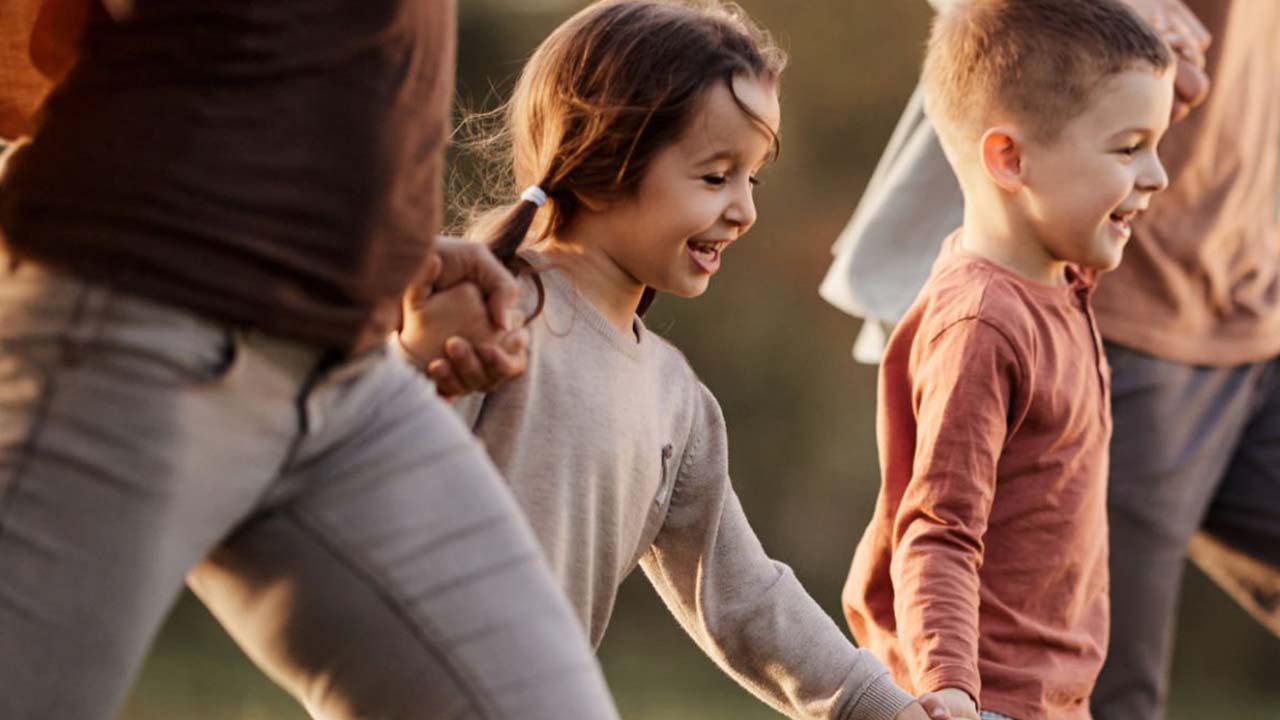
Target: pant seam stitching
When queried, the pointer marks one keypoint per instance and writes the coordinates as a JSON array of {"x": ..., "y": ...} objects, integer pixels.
[{"x": 419, "y": 627}]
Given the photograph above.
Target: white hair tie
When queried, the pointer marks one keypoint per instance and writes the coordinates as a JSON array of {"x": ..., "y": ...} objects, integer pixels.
[{"x": 535, "y": 195}]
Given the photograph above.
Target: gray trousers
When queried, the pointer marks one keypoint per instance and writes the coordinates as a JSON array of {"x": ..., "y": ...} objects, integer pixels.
[
  {"x": 1195, "y": 463},
  {"x": 334, "y": 516}
]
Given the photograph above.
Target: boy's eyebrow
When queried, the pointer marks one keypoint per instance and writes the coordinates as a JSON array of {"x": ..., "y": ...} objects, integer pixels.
[{"x": 1135, "y": 130}]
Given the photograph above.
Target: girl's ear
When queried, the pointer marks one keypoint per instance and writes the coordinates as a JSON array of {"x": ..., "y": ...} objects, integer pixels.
[
  {"x": 591, "y": 203},
  {"x": 1002, "y": 159}
]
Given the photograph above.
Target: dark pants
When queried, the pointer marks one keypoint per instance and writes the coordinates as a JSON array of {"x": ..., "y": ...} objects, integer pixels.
[{"x": 1195, "y": 463}]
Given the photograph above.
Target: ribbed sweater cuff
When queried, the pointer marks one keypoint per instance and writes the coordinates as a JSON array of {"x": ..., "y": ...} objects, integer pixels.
[{"x": 881, "y": 699}]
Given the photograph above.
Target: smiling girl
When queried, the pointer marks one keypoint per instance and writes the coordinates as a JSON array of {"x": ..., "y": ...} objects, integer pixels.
[{"x": 638, "y": 129}]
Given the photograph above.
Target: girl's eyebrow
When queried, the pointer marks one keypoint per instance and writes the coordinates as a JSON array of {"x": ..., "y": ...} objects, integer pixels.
[{"x": 721, "y": 154}]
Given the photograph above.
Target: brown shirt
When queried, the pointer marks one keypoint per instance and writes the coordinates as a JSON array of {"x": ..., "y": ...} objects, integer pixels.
[
  {"x": 22, "y": 86},
  {"x": 271, "y": 164},
  {"x": 985, "y": 564},
  {"x": 1200, "y": 282}
]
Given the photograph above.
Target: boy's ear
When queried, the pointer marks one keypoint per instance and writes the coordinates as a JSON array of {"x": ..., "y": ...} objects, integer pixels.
[{"x": 1001, "y": 157}]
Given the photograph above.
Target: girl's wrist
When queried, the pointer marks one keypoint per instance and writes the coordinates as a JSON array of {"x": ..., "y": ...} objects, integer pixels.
[{"x": 414, "y": 360}]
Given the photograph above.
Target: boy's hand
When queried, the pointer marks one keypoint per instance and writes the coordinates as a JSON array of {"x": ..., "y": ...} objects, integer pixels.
[
  {"x": 959, "y": 703},
  {"x": 1189, "y": 39}
]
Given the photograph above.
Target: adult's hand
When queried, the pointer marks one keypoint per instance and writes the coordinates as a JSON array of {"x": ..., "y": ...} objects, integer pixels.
[
  {"x": 1189, "y": 39},
  {"x": 461, "y": 325},
  {"x": 457, "y": 261}
]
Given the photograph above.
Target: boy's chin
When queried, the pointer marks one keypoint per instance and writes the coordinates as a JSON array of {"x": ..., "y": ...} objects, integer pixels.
[{"x": 1103, "y": 262}]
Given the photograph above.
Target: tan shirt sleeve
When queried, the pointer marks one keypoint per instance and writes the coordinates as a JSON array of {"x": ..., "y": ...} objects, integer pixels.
[
  {"x": 964, "y": 387},
  {"x": 747, "y": 611}
]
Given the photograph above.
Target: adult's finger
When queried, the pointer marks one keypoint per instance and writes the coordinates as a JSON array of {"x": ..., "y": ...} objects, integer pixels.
[
  {"x": 1190, "y": 85},
  {"x": 1190, "y": 25},
  {"x": 423, "y": 285},
  {"x": 464, "y": 261}
]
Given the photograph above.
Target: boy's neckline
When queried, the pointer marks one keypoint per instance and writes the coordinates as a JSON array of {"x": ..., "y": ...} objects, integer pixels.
[{"x": 1076, "y": 279}]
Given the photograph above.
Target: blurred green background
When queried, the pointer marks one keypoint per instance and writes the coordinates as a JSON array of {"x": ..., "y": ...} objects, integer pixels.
[{"x": 800, "y": 412}]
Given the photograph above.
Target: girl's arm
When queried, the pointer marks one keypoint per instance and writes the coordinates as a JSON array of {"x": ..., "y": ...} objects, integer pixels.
[{"x": 747, "y": 611}]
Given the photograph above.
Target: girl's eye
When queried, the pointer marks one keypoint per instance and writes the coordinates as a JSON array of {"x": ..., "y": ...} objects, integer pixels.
[
  {"x": 755, "y": 181},
  {"x": 1131, "y": 149},
  {"x": 714, "y": 179}
]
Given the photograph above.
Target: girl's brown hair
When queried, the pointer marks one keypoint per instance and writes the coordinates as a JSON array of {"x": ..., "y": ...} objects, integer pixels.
[{"x": 603, "y": 93}]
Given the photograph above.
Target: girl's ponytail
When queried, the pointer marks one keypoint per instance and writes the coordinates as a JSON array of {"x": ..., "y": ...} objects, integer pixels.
[{"x": 510, "y": 233}]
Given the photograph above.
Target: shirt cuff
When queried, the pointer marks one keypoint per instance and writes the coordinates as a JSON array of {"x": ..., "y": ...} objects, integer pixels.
[
  {"x": 961, "y": 677},
  {"x": 881, "y": 699}
]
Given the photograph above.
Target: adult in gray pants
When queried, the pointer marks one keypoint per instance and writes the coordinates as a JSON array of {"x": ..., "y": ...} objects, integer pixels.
[
  {"x": 1192, "y": 320},
  {"x": 204, "y": 249}
]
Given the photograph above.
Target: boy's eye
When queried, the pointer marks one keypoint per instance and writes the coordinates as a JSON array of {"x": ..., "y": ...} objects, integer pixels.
[
  {"x": 755, "y": 181},
  {"x": 714, "y": 179}
]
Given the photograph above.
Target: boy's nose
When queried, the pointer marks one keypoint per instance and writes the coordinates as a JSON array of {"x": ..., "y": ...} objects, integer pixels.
[{"x": 1153, "y": 177}]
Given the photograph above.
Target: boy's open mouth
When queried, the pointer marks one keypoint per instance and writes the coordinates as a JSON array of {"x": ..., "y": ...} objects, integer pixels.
[{"x": 1122, "y": 221}]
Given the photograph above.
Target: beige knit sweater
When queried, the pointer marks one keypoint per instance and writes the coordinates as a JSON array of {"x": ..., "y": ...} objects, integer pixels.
[{"x": 618, "y": 455}]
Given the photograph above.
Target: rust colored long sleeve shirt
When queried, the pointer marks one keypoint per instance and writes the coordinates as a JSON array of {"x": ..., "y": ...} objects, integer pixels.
[{"x": 985, "y": 565}]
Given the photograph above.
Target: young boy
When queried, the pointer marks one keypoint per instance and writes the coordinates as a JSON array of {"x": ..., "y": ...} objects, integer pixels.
[{"x": 983, "y": 574}]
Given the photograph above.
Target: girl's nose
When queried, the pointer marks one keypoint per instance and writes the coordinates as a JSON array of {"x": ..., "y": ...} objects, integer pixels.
[{"x": 742, "y": 209}]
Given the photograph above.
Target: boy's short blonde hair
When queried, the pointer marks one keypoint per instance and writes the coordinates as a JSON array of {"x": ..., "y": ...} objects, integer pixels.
[{"x": 1034, "y": 62}]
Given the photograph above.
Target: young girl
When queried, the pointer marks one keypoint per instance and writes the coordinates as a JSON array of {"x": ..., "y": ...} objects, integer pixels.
[{"x": 638, "y": 128}]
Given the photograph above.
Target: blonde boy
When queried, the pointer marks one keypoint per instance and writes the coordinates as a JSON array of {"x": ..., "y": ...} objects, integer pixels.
[{"x": 983, "y": 574}]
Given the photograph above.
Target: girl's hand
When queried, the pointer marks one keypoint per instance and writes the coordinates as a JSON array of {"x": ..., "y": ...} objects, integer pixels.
[
  {"x": 466, "y": 369},
  {"x": 920, "y": 711},
  {"x": 935, "y": 707}
]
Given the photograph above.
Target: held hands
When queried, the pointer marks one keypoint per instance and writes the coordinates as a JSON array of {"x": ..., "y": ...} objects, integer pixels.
[
  {"x": 460, "y": 322},
  {"x": 959, "y": 703},
  {"x": 929, "y": 707},
  {"x": 1189, "y": 39}
]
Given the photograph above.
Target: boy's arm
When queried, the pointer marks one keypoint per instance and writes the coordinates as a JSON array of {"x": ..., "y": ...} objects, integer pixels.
[
  {"x": 963, "y": 394},
  {"x": 748, "y": 612}
]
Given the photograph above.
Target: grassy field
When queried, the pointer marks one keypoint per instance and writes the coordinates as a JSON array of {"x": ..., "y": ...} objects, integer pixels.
[{"x": 197, "y": 673}]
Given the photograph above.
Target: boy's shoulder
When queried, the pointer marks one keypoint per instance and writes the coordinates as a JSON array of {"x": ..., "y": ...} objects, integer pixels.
[{"x": 966, "y": 288}]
